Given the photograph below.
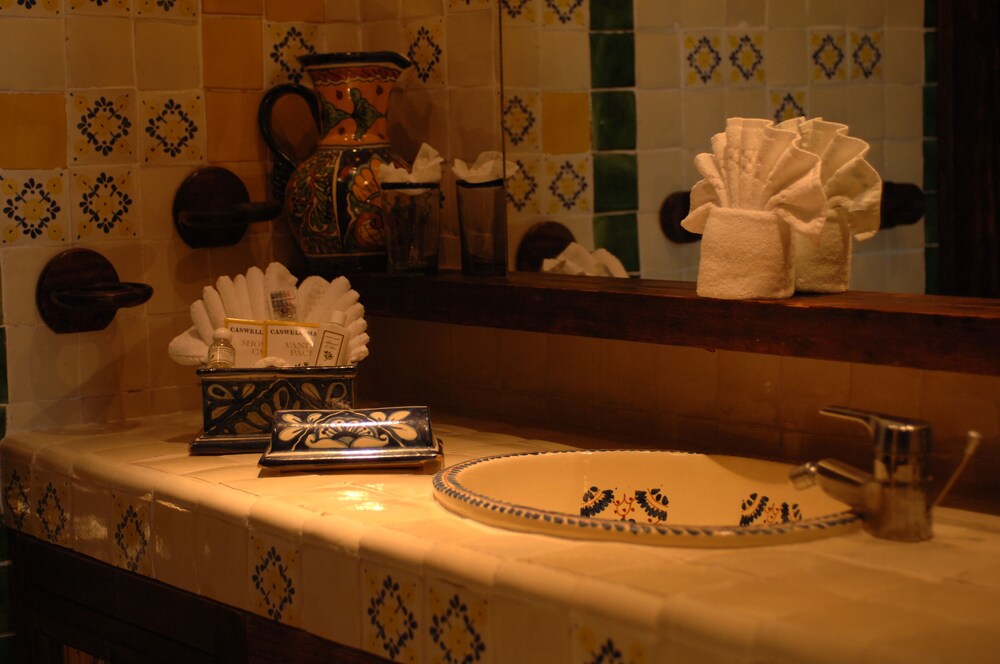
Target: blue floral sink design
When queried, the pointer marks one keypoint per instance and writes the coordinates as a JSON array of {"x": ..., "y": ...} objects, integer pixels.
[{"x": 643, "y": 496}]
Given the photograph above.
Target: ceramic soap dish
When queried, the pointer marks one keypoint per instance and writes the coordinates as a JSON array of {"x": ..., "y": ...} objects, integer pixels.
[{"x": 395, "y": 437}]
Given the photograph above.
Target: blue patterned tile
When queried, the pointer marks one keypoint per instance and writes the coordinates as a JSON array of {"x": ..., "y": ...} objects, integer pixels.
[
  {"x": 703, "y": 59},
  {"x": 104, "y": 203},
  {"x": 173, "y": 128},
  {"x": 866, "y": 56},
  {"x": 285, "y": 43},
  {"x": 130, "y": 535},
  {"x": 457, "y": 624},
  {"x": 746, "y": 57},
  {"x": 424, "y": 49},
  {"x": 828, "y": 53},
  {"x": 390, "y": 623},
  {"x": 33, "y": 207}
]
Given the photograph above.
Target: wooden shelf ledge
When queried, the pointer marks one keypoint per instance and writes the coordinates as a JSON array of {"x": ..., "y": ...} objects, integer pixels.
[{"x": 920, "y": 331}]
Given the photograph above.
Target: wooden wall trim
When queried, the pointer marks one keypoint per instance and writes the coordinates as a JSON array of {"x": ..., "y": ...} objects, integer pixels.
[{"x": 919, "y": 331}]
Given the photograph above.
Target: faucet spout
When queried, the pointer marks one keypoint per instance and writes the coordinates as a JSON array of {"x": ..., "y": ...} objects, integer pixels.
[
  {"x": 894, "y": 500},
  {"x": 845, "y": 483}
]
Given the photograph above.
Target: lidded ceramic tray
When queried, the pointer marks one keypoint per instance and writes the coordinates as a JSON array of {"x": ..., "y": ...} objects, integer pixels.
[
  {"x": 394, "y": 437},
  {"x": 238, "y": 405}
]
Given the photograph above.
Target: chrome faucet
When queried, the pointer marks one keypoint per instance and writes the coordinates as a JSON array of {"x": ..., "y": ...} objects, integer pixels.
[{"x": 894, "y": 501}]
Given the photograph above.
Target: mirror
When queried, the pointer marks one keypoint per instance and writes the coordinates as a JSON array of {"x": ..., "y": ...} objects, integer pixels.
[{"x": 606, "y": 104}]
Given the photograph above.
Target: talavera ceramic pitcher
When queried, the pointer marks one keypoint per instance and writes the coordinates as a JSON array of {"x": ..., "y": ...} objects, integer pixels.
[{"x": 332, "y": 199}]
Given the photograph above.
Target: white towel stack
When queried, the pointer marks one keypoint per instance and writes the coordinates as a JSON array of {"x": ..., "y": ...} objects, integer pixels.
[
  {"x": 758, "y": 187},
  {"x": 246, "y": 297},
  {"x": 853, "y": 191}
]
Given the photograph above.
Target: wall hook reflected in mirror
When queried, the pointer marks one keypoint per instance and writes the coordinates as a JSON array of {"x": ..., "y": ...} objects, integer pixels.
[
  {"x": 902, "y": 205},
  {"x": 79, "y": 291},
  {"x": 212, "y": 208}
]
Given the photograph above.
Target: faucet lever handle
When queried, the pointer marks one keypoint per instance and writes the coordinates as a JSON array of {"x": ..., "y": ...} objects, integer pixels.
[{"x": 891, "y": 433}]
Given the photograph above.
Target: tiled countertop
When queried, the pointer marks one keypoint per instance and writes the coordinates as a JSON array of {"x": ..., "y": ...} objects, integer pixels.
[{"x": 370, "y": 560}]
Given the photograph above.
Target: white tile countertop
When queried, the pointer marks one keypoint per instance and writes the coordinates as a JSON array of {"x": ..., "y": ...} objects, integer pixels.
[{"x": 369, "y": 559}]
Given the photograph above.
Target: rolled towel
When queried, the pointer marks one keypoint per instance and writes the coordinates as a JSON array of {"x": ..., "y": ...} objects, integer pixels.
[
  {"x": 353, "y": 313},
  {"x": 243, "y": 297},
  {"x": 257, "y": 294},
  {"x": 320, "y": 313},
  {"x": 309, "y": 296},
  {"x": 202, "y": 321},
  {"x": 230, "y": 302},
  {"x": 188, "y": 348},
  {"x": 347, "y": 300},
  {"x": 216, "y": 309}
]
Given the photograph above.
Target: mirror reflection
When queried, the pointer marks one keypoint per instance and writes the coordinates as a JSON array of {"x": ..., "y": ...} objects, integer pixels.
[{"x": 607, "y": 103}]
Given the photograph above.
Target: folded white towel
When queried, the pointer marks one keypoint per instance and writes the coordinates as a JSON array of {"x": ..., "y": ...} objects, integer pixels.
[
  {"x": 853, "y": 191},
  {"x": 745, "y": 254}
]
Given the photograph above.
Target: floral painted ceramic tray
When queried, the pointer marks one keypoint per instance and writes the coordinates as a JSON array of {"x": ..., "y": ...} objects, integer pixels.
[{"x": 331, "y": 439}]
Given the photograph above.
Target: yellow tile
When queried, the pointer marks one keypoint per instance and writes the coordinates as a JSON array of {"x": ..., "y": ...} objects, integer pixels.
[
  {"x": 99, "y": 52},
  {"x": 956, "y": 403},
  {"x": 294, "y": 10},
  {"x": 749, "y": 387},
  {"x": 232, "y": 53},
  {"x": 33, "y": 56},
  {"x": 178, "y": 9},
  {"x": 565, "y": 122},
  {"x": 116, "y": 7},
  {"x": 166, "y": 55},
  {"x": 232, "y": 126},
  {"x": 892, "y": 390},
  {"x": 249, "y": 7},
  {"x": 470, "y": 59},
  {"x": 32, "y": 131}
]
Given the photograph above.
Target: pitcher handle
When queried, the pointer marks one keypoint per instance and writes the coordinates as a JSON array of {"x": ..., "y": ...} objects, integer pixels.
[{"x": 284, "y": 163}]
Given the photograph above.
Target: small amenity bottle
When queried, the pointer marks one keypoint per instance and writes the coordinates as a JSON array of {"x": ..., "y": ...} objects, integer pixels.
[{"x": 221, "y": 354}]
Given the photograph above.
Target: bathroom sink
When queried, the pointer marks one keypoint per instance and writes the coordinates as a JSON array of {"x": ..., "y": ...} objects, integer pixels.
[{"x": 644, "y": 497}]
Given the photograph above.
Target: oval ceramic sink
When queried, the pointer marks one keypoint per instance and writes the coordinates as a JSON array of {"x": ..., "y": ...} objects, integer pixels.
[{"x": 646, "y": 497}]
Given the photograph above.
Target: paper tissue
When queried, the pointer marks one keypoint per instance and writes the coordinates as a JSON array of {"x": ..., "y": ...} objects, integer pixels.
[
  {"x": 853, "y": 191},
  {"x": 758, "y": 187},
  {"x": 575, "y": 259}
]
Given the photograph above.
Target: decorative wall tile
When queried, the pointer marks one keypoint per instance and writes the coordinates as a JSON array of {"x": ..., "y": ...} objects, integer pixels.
[
  {"x": 828, "y": 53},
  {"x": 787, "y": 104},
  {"x": 521, "y": 120},
  {"x": 745, "y": 60},
  {"x": 616, "y": 178},
  {"x": 866, "y": 55},
  {"x": 391, "y": 625},
  {"x": 177, "y": 9},
  {"x": 16, "y": 489},
  {"x": 568, "y": 184},
  {"x": 425, "y": 49},
  {"x": 51, "y": 505},
  {"x": 275, "y": 578},
  {"x": 173, "y": 128},
  {"x": 232, "y": 52},
  {"x": 519, "y": 11},
  {"x": 33, "y": 206},
  {"x": 103, "y": 203},
  {"x": 469, "y": 5},
  {"x": 101, "y": 126},
  {"x": 619, "y": 234},
  {"x": 129, "y": 534},
  {"x": 565, "y": 122},
  {"x": 104, "y": 7},
  {"x": 457, "y": 624},
  {"x": 30, "y": 7},
  {"x": 613, "y": 120},
  {"x": 100, "y": 52},
  {"x": 523, "y": 193},
  {"x": 285, "y": 42},
  {"x": 566, "y": 13},
  {"x": 33, "y": 53},
  {"x": 702, "y": 59},
  {"x": 596, "y": 644}
]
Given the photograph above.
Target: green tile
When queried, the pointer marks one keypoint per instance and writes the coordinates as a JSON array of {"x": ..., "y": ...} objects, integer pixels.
[
  {"x": 619, "y": 234},
  {"x": 612, "y": 60},
  {"x": 930, "y": 164},
  {"x": 930, "y": 13},
  {"x": 616, "y": 187},
  {"x": 611, "y": 15},
  {"x": 932, "y": 284},
  {"x": 612, "y": 117},
  {"x": 930, "y": 218},
  {"x": 930, "y": 57},
  {"x": 930, "y": 110}
]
